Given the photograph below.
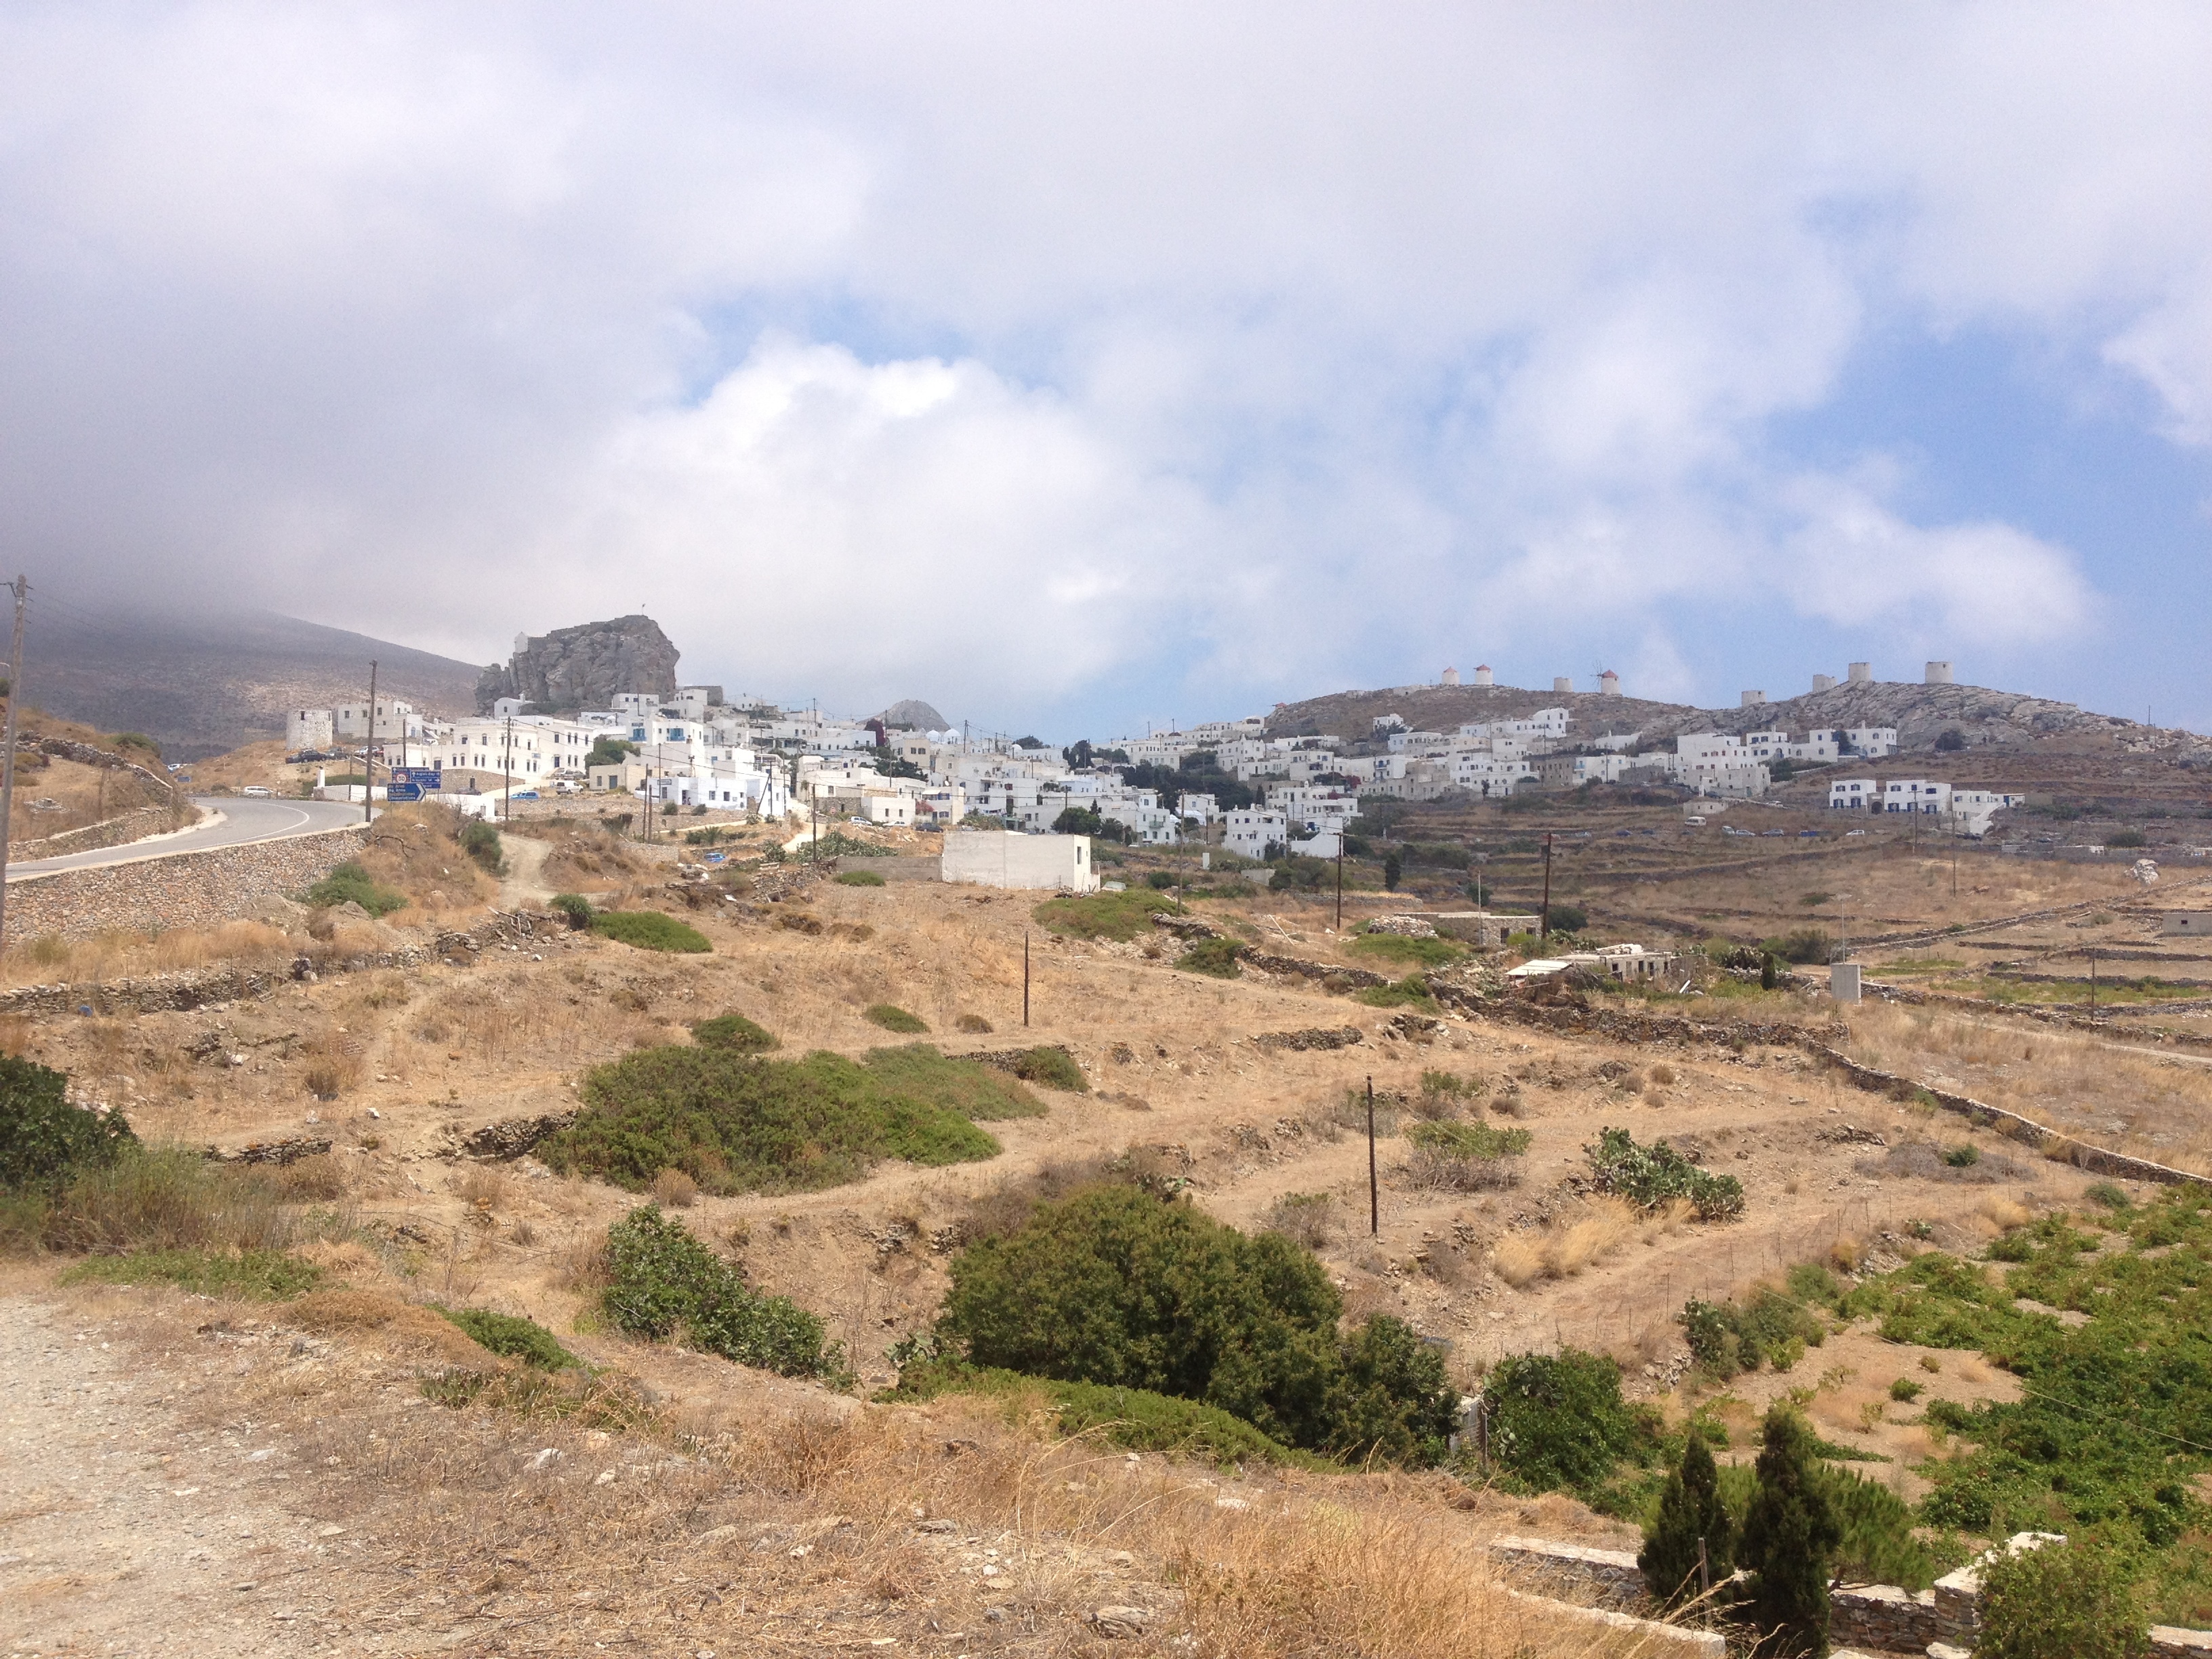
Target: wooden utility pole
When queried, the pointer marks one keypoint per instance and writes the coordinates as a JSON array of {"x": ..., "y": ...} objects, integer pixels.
[
  {"x": 507, "y": 760},
  {"x": 368, "y": 752},
  {"x": 22, "y": 586},
  {"x": 1026, "y": 976},
  {"x": 1339, "y": 881},
  {"x": 1544, "y": 921},
  {"x": 1373, "y": 1187}
]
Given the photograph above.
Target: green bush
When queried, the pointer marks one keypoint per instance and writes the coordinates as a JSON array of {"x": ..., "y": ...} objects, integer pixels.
[
  {"x": 2127, "y": 838},
  {"x": 1213, "y": 956},
  {"x": 1410, "y": 992},
  {"x": 892, "y": 1017},
  {"x": 2109, "y": 1196},
  {"x": 249, "y": 1275},
  {"x": 1962, "y": 1156},
  {"x": 1557, "y": 1422},
  {"x": 44, "y": 1141},
  {"x": 1469, "y": 1139},
  {"x": 1569, "y": 919},
  {"x": 1122, "y": 915},
  {"x": 516, "y": 1338},
  {"x": 1799, "y": 945},
  {"x": 1159, "y": 880},
  {"x": 1769, "y": 1328},
  {"x": 480, "y": 841},
  {"x": 737, "y": 1123},
  {"x": 2060, "y": 1601},
  {"x": 1050, "y": 1068},
  {"x": 732, "y": 1034},
  {"x": 859, "y": 879},
  {"x": 1650, "y": 1176},
  {"x": 1136, "y": 1418},
  {"x": 664, "y": 1280},
  {"x": 1404, "y": 951},
  {"x": 1114, "y": 1287},
  {"x": 350, "y": 882},
  {"x": 650, "y": 930},
  {"x": 576, "y": 907}
]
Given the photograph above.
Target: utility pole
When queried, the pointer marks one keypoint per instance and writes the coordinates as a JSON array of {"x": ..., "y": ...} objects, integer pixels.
[
  {"x": 1374, "y": 1189},
  {"x": 506, "y": 759},
  {"x": 22, "y": 586},
  {"x": 368, "y": 752},
  {"x": 1544, "y": 921},
  {"x": 1339, "y": 881},
  {"x": 2093, "y": 986},
  {"x": 1026, "y": 976}
]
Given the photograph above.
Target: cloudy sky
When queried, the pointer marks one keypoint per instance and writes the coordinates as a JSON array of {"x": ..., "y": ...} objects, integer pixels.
[{"x": 1076, "y": 368}]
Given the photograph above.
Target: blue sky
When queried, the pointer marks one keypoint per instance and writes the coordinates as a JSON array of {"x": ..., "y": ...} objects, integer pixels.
[{"x": 1076, "y": 370}]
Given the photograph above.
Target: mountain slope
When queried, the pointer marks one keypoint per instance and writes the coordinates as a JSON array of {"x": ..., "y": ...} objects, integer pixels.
[{"x": 202, "y": 684}]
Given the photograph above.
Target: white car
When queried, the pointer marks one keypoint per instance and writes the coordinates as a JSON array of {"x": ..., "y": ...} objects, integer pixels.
[{"x": 259, "y": 792}]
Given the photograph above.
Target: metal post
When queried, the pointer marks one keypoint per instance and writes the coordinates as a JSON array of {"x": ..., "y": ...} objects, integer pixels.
[
  {"x": 1544, "y": 921},
  {"x": 1374, "y": 1189},
  {"x": 506, "y": 753},
  {"x": 368, "y": 752},
  {"x": 2093, "y": 985},
  {"x": 1339, "y": 881},
  {"x": 22, "y": 587},
  {"x": 1026, "y": 976}
]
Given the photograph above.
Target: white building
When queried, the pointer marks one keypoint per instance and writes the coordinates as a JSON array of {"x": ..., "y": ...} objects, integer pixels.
[
  {"x": 394, "y": 719},
  {"x": 1202, "y": 809},
  {"x": 1252, "y": 832},
  {"x": 1854, "y": 795},
  {"x": 1004, "y": 858}
]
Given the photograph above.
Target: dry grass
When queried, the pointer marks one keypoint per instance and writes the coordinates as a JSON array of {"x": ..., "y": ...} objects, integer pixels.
[
  {"x": 556, "y": 1515},
  {"x": 115, "y": 955},
  {"x": 675, "y": 1189}
]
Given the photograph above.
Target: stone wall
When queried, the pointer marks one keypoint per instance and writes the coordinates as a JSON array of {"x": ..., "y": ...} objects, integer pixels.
[
  {"x": 1883, "y": 1616},
  {"x": 190, "y": 890},
  {"x": 108, "y": 832},
  {"x": 1611, "y": 1577}
]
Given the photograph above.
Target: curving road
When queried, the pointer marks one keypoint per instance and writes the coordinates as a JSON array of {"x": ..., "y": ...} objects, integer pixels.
[{"x": 232, "y": 821}]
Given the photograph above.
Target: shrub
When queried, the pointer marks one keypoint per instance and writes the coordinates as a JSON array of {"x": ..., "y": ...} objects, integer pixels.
[
  {"x": 1801, "y": 944},
  {"x": 2110, "y": 1196},
  {"x": 1418, "y": 952},
  {"x": 1692, "y": 1525},
  {"x": 1159, "y": 880},
  {"x": 1650, "y": 1177},
  {"x": 516, "y": 1338},
  {"x": 1050, "y": 1068},
  {"x": 661, "y": 1278},
  {"x": 1569, "y": 919},
  {"x": 2127, "y": 838},
  {"x": 1410, "y": 992},
  {"x": 1557, "y": 1422},
  {"x": 44, "y": 1141},
  {"x": 1470, "y": 1140},
  {"x": 260, "y": 1275},
  {"x": 1790, "y": 1539},
  {"x": 1122, "y": 915},
  {"x": 1306, "y": 1219},
  {"x": 892, "y": 1017},
  {"x": 1214, "y": 957},
  {"x": 1905, "y": 1390},
  {"x": 737, "y": 1123},
  {"x": 859, "y": 879},
  {"x": 1725, "y": 1338},
  {"x": 1114, "y": 1287},
  {"x": 576, "y": 907},
  {"x": 350, "y": 882},
  {"x": 1962, "y": 1156},
  {"x": 2059, "y": 1601},
  {"x": 480, "y": 841},
  {"x": 650, "y": 930},
  {"x": 732, "y": 1034},
  {"x": 975, "y": 1024}
]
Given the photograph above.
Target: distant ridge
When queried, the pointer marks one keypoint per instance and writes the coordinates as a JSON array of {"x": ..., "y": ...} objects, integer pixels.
[
  {"x": 912, "y": 711},
  {"x": 202, "y": 684}
]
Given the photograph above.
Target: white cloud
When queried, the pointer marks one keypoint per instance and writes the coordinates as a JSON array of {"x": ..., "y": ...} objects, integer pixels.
[{"x": 1245, "y": 347}]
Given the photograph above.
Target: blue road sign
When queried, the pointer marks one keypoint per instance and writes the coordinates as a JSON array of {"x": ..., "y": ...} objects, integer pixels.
[{"x": 413, "y": 782}]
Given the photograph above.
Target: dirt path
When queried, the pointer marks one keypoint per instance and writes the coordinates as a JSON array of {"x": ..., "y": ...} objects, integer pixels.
[
  {"x": 523, "y": 886},
  {"x": 125, "y": 1529}
]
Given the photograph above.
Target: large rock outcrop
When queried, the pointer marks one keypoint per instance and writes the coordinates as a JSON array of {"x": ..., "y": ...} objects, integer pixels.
[{"x": 584, "y": 667}]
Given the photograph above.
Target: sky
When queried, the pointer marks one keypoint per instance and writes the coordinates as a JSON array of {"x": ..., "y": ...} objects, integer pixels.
[{"x": 1080, "y": 369}]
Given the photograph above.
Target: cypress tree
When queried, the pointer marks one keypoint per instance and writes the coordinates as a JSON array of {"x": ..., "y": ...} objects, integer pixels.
[
  {"x": 1690, "y": 1508},
  {"x": 1790, "y": 1539},
  {"x": 1767, "y": 976}
]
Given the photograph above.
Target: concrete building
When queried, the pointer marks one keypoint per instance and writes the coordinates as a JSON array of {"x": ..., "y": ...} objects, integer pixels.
[
  {"x": 1250, "y": 832},
  {"x": 1938, "y": 673},
  {"x": 1563, "y": 684},
  {"x": 1450, "y": 676},
  {"x": 1860, "y": 673},
  {"x": 394, "y": 719},
  {"x": 1005, "y": 858},
  {"x": 1752, "y": 699},
  {"x": 2186, "y": 924},
  {"x": 1823, "y": 683},
  {"x": 1854, "y": 795},
  {"x": 1482, "y": 675},
  {"x": 308, "y": 728}
]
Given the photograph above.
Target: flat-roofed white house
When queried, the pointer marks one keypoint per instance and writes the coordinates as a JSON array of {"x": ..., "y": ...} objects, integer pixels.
[
  {"x": 2186, "y": 924},
  {"x": 1007, "y": 858}
]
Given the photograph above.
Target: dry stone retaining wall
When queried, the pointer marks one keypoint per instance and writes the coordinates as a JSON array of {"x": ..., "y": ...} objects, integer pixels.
[
  {"x": 108, "y": 832},
  {"x": 190, "y": 890}
]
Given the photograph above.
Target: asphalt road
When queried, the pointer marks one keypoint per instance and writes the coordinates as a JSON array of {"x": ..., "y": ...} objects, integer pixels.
[{"x": 242, "y": 821}]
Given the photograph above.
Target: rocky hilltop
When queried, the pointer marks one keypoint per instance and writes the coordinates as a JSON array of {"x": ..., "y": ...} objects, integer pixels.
[
  {"x": 584, "y": 667},
  {"x": 913, "y": 712}
]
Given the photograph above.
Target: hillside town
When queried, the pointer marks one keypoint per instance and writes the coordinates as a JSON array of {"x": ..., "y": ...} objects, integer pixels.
[{"x": 1235, "y": 783}]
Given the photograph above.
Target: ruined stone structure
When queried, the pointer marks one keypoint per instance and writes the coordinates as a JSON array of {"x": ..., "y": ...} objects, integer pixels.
[{"x": 584, "y": 667}]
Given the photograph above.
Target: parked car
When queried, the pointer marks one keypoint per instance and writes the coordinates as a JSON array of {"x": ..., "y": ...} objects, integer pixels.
[{"x": 259, "y": 792}]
